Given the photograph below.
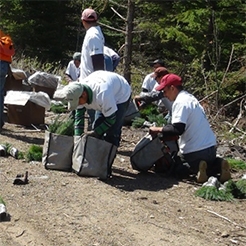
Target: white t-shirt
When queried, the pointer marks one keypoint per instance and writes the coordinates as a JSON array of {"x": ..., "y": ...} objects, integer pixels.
[
  {"x": 149, "y": 82},
  {"x": 109, "y": 89},
  {"x": 197, "y": 135},
  {"x": 110, "y": 52},
  {"x": 92, "y": 45},
  {"x": 73, "y": 71}
]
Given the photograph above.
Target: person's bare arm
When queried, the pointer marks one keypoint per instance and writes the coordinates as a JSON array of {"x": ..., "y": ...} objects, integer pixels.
[{"x": 98, "y": 62}]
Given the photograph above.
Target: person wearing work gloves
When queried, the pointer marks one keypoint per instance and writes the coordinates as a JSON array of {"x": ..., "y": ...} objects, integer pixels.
[
  {"x": 106, "y": 92},
  {"x": 197, "y": 142}
]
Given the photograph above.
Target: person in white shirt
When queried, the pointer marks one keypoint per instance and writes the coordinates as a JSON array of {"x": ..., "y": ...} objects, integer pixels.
[
  {"x": 92, "y": 59},
  {"x": 72, "y": 72},
  {"x": 112, "y": 59},
  {"x": 156, "y": 96},
  {"x": 149, "y": 81},
  {"x": 197, "y": 142},
  {"x": 106, "y": 92}
]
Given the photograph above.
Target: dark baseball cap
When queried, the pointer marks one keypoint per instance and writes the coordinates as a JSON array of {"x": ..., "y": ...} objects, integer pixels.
[{"x": 157, "y": 61}]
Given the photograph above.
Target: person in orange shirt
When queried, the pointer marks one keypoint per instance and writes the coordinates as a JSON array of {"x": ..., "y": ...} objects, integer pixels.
[{"x": 6, "y": 52}]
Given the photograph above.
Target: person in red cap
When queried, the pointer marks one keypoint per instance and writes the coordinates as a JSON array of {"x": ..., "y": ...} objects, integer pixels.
[
  {"x": 92, "y": 59},
  {"x": 197, "y": 142}
]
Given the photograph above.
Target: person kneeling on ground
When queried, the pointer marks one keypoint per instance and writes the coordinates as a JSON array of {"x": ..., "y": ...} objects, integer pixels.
[
  {"x": 106, "y": 92},
  {"x": 155, "y": 96},
  {"x": 197, "y": 142}
]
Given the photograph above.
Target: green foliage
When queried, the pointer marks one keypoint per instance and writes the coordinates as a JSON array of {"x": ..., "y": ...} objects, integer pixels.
[
  {"x": 237, "y": 164},
  {"x": 62, "y": 127},
  {"x": 158, "y": 119},
  {"x": 214, "y": 194},
  {"x": 230, "y": 190},
  {"x": 241, "y": 186},
  {"x": 203, "y": 41},
  {"x": 34, "y": 153},
  {"x": 237, "y": 189},
  {"x": 148, "y": 110},
  {"x": 58, "y": 108},
  {"x": 138, "y": 122}
]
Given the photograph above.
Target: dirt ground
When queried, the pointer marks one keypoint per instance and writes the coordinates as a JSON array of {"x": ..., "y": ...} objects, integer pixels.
[{"x": 129, "y": 209}]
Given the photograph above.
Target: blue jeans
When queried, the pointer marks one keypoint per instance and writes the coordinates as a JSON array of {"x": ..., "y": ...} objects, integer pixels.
[
  {"x": 113, "y": 135},
  {"x": 3, "y": 72},
  {"x": 108, "y": 63}
]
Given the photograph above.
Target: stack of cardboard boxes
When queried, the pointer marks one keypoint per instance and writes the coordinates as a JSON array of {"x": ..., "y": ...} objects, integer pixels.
[{"x": 23, "y": 112}]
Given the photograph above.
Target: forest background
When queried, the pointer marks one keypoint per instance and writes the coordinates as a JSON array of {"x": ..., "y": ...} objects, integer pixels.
[{"x": 203, "y": 41}]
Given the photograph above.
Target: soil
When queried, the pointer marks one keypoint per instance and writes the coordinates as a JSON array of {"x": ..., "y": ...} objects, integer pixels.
[{"x": 130, "y": 209}]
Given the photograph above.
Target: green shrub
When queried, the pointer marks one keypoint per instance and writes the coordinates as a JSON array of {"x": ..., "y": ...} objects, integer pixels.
[
  {"x": 34, "y": 153},
  {"x": 62, "y": 127},
  {"x": 58, "y": 109},
  {"x": 214, "y": 194}
]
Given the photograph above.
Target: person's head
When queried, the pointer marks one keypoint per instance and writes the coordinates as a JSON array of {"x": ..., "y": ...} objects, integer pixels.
[
  {"x": 89, "y": 18},
  {"x": 77, "y": 58},
  {"x": 157, "y": 63},
  {"x": 159, "y": 73},
  {"x": 75, "y": 94},
  {"x": 171, "y": 85}
]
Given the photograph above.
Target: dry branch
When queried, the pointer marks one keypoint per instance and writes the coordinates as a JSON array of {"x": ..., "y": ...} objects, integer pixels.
[
  {"x": 112, "y": 28},
  {"x": 225, "y": 218},
  {"x": 243, "y": 96},
  {"x": 124, "y": 19},
  {"x": 239, "y": 115}
]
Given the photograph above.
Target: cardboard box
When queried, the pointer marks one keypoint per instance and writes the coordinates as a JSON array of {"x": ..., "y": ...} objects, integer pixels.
[
  {"x": 14, "y": 80},
  {"x": 49, "y": 91},
  {"x": 13, "y": 84},
  {"x": 26, "y": 115}
]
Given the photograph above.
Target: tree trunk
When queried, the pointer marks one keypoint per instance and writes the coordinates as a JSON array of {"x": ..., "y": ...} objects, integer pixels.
[{"x": 128, "y": 41}]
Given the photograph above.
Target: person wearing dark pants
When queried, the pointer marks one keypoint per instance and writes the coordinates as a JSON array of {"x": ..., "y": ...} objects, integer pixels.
[
  {"x": 197, "y": 142},
  {"x": 107, "y": 93}
]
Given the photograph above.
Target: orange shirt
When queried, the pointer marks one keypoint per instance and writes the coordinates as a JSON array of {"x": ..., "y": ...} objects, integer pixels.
[{"x": 6, "y": 47}]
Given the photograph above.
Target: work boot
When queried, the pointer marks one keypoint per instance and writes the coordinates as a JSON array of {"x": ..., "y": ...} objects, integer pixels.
[
  {"x": 202, "y": 173},
  {"x": 225, "y": 174}
]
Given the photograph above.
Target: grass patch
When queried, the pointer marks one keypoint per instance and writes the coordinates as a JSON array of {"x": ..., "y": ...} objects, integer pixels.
[{"x": 237, "y": 164}]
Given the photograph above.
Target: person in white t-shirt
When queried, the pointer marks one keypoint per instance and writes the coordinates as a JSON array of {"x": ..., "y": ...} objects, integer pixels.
[
  {"x": 149, "y": 81},
  {"x": 156, "y": 96},
  {"x": 197, "y": 143},
  {"x": 106, "y": 92},
  {"x": 92, "y": 59},
  {"x": 112, "y": 59},
  {"x": 73, "y": 69}
]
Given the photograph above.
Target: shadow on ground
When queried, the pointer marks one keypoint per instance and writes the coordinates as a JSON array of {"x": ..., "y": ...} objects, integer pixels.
[{"x": 150, "y": 181}]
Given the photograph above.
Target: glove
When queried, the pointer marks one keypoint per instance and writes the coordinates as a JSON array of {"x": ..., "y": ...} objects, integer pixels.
[{"x": 93, "y": 134}]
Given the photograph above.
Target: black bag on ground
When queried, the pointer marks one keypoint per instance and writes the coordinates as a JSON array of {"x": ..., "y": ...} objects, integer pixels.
[
  {"x": 131, "y": 113},
  {"x": 148, "y": 150},
  {"x": 57, "y": 152},
  {"x": 93, "y": 157}
]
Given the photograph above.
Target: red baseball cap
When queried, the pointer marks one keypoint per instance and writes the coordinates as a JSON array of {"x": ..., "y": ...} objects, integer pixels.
[
  {"x": 89, "y": 15},
  {"x": 169, "y": 79}
]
